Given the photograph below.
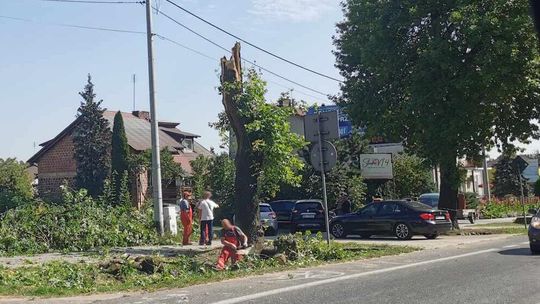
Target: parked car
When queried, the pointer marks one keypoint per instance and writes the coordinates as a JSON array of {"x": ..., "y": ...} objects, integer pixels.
[
  {"x": 283, "y": 210},
  {"x": 432, "y": 199},
  {"x": 534, "y": 232},
  {"x": 402, "y": 219},
  {"x": 268, "y": 219},
  {"x": 307, "y": 215}
]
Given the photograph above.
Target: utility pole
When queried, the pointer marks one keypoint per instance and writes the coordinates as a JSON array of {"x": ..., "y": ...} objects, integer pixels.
[
  {"x": 156, "y": 162},
  {"x": 134, "y": 82},
  {"x": 323, "y": 178},
  {"x": 522, "y": 198},
  {"x": 487, "y": 190}
]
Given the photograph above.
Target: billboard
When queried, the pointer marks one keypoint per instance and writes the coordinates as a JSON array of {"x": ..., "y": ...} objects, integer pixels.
[
  {"x": 376, "y": 166},
  {"x": 345, "y": 125}
]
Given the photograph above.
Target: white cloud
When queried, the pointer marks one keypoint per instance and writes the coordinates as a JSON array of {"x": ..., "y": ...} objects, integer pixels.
[{"x": 295, "y": 10}]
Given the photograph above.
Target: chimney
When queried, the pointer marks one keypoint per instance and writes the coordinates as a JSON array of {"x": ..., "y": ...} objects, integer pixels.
[{"x": 142, "y": 114}]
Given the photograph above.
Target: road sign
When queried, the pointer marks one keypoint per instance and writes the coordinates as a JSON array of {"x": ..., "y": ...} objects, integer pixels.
[
  {"x": 345, "y": 124},
  {"x": 329, "y": 155},
  {"x": 328, "y": 126},
  {"x": 376, "y": 166}
]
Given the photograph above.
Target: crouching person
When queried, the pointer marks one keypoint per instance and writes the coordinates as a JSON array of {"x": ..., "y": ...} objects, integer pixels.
[{"x": 233, "y": 239}]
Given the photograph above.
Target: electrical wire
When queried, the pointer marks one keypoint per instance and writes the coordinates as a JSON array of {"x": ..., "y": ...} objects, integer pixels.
[
  {"x": 248, "y": 61},
  {"x": 175, "y": 43},
  {"x": 251, "y": 44},
  {"x": 74, "y": 25}
]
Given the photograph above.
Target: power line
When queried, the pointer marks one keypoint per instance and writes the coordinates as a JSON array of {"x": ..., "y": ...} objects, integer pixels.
[
  {"x": 173, "y": 42},
  {"x": 95, "y": 2},
  {"x": 250, "y": 62},
  {"x": 216, "y": 59},
  {"x": 251, "y": 44},
  {"x": 74, "y": 25}
]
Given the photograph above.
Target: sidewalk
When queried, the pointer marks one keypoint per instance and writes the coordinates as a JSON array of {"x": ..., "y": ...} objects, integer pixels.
[{"x": 95, "y": 256}]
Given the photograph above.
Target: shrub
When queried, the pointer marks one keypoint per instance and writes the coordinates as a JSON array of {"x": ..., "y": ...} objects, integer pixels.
[
  {"x": 77, "y": 225},
  {"x": 15, "y": 184},
  {"x": 508, "y": 207}
]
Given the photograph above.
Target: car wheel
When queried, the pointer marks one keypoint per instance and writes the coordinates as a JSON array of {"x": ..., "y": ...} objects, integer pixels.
[
  {"x": 402, "y": 231},
  {"x": 431, "y": 236},
  {"x": 471, "y": 219},
  {"x": 338, "y": 231},
  {"x": 535, "y": 249}
]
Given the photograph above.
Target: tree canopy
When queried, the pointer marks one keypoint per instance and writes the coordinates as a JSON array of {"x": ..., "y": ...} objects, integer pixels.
[
  {"x": 92, "y": 142},
  {"x": 15, "y": 184},
  {"x": 444, "y": 77},
  {"x": 119, "y": 157}
]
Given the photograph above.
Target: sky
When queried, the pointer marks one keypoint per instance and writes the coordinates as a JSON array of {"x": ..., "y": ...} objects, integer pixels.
[{"x": 44, "y": 66}]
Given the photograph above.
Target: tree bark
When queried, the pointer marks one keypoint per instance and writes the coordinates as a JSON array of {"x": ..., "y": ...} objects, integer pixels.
[
  {"x": 449, "y": 188},
  {"x": 245, "y": 184}
]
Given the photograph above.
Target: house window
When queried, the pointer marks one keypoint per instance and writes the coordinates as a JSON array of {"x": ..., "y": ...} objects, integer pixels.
[{"x": 188, "y": 144}]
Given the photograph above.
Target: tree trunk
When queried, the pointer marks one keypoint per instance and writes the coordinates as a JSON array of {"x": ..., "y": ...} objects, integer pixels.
[
  {"x": 449, "y": 188},
  {"x": 245, "y": 184}
]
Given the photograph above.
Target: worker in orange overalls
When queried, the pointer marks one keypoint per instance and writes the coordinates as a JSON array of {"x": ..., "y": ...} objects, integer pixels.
[
  {"x": 186, "y": 217},
  {"x": 233, "y": 239}
]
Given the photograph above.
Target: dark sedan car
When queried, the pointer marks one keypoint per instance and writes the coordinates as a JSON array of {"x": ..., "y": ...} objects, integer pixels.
[
  {"x": 307, "y": 215},
  {"x": 400, "y": 218},
  {"x": 283, "y": 210},
  {"x": 534, "y": 233}
]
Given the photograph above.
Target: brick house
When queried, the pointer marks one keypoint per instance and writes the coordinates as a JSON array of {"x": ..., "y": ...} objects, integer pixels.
[{"x": 56, "y": 164}]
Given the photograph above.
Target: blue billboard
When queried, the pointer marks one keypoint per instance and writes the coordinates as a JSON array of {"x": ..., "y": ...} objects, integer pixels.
[{"x": 345, "y": 125}]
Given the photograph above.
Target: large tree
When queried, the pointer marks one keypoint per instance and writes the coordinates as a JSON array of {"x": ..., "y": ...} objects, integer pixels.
[
  {"x": 119, "y": 155},
  {"x": 266, "y": 147},
  {"x": 446, "y": 77},
  {"x": 507, "y": 180},
  {"x": 92, "y": 142}
]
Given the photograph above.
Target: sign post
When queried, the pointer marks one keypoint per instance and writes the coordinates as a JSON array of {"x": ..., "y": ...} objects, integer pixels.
[{"x": 319, "y": 128}]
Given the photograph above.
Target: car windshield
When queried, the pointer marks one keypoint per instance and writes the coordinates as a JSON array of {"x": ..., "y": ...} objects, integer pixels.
[
  {"x": 307, "y": 205},
  {"x": 265, "y": 208},
  {"x": 282, "y": 205}
]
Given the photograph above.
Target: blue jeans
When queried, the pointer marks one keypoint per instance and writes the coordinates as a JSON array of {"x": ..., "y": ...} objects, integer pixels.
[{"x": 206, "y": 225}]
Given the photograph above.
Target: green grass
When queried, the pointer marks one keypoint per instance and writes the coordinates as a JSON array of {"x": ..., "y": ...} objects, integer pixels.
[
  {"x": 64, "y": 279},
  {"x": 498, "y": 225}
]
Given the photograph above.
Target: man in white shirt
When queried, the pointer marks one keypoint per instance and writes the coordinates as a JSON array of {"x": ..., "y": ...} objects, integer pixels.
[{"x": 206, "y": 213}]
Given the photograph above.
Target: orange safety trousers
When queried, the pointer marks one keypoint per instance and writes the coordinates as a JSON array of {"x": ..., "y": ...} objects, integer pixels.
[
  {"x": 227, "y": 253},
  {"x": 187, "y": 221}
]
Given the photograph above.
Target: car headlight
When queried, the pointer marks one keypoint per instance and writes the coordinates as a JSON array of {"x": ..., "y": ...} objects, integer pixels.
[{"x": 535, "y": 222}]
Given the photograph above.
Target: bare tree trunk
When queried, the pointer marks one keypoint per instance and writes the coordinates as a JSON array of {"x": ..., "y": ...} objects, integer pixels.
[
  {"x": 245, "y": 184},
  {"x": 449, "y": 188}
]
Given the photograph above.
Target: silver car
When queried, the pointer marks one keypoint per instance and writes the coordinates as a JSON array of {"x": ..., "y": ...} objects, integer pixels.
[{"x": 268, "y": 219}]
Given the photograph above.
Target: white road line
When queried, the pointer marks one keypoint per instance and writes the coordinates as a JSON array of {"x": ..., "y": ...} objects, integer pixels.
[
  {"x": 510, "y": 246},
  {"x": 347, "y": 277}
]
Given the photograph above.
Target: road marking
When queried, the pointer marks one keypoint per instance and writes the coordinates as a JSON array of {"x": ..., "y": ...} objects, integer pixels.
[
  {"x": 302, "y": 275},
  {"x": 510, "y": 246},
  {"x": 347, "y": 277}
]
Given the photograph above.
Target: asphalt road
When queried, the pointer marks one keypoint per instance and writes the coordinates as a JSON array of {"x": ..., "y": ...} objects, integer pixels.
[{"x": 499, "y": 270}]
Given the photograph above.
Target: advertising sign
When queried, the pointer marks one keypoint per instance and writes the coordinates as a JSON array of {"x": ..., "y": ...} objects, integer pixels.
[
  {"x": 345, "y": 125},
  {"x": 376, "y": 166}
]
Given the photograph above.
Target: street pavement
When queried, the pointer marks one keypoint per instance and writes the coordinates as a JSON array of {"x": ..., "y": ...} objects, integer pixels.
[{"x": 495, "y": 270}]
